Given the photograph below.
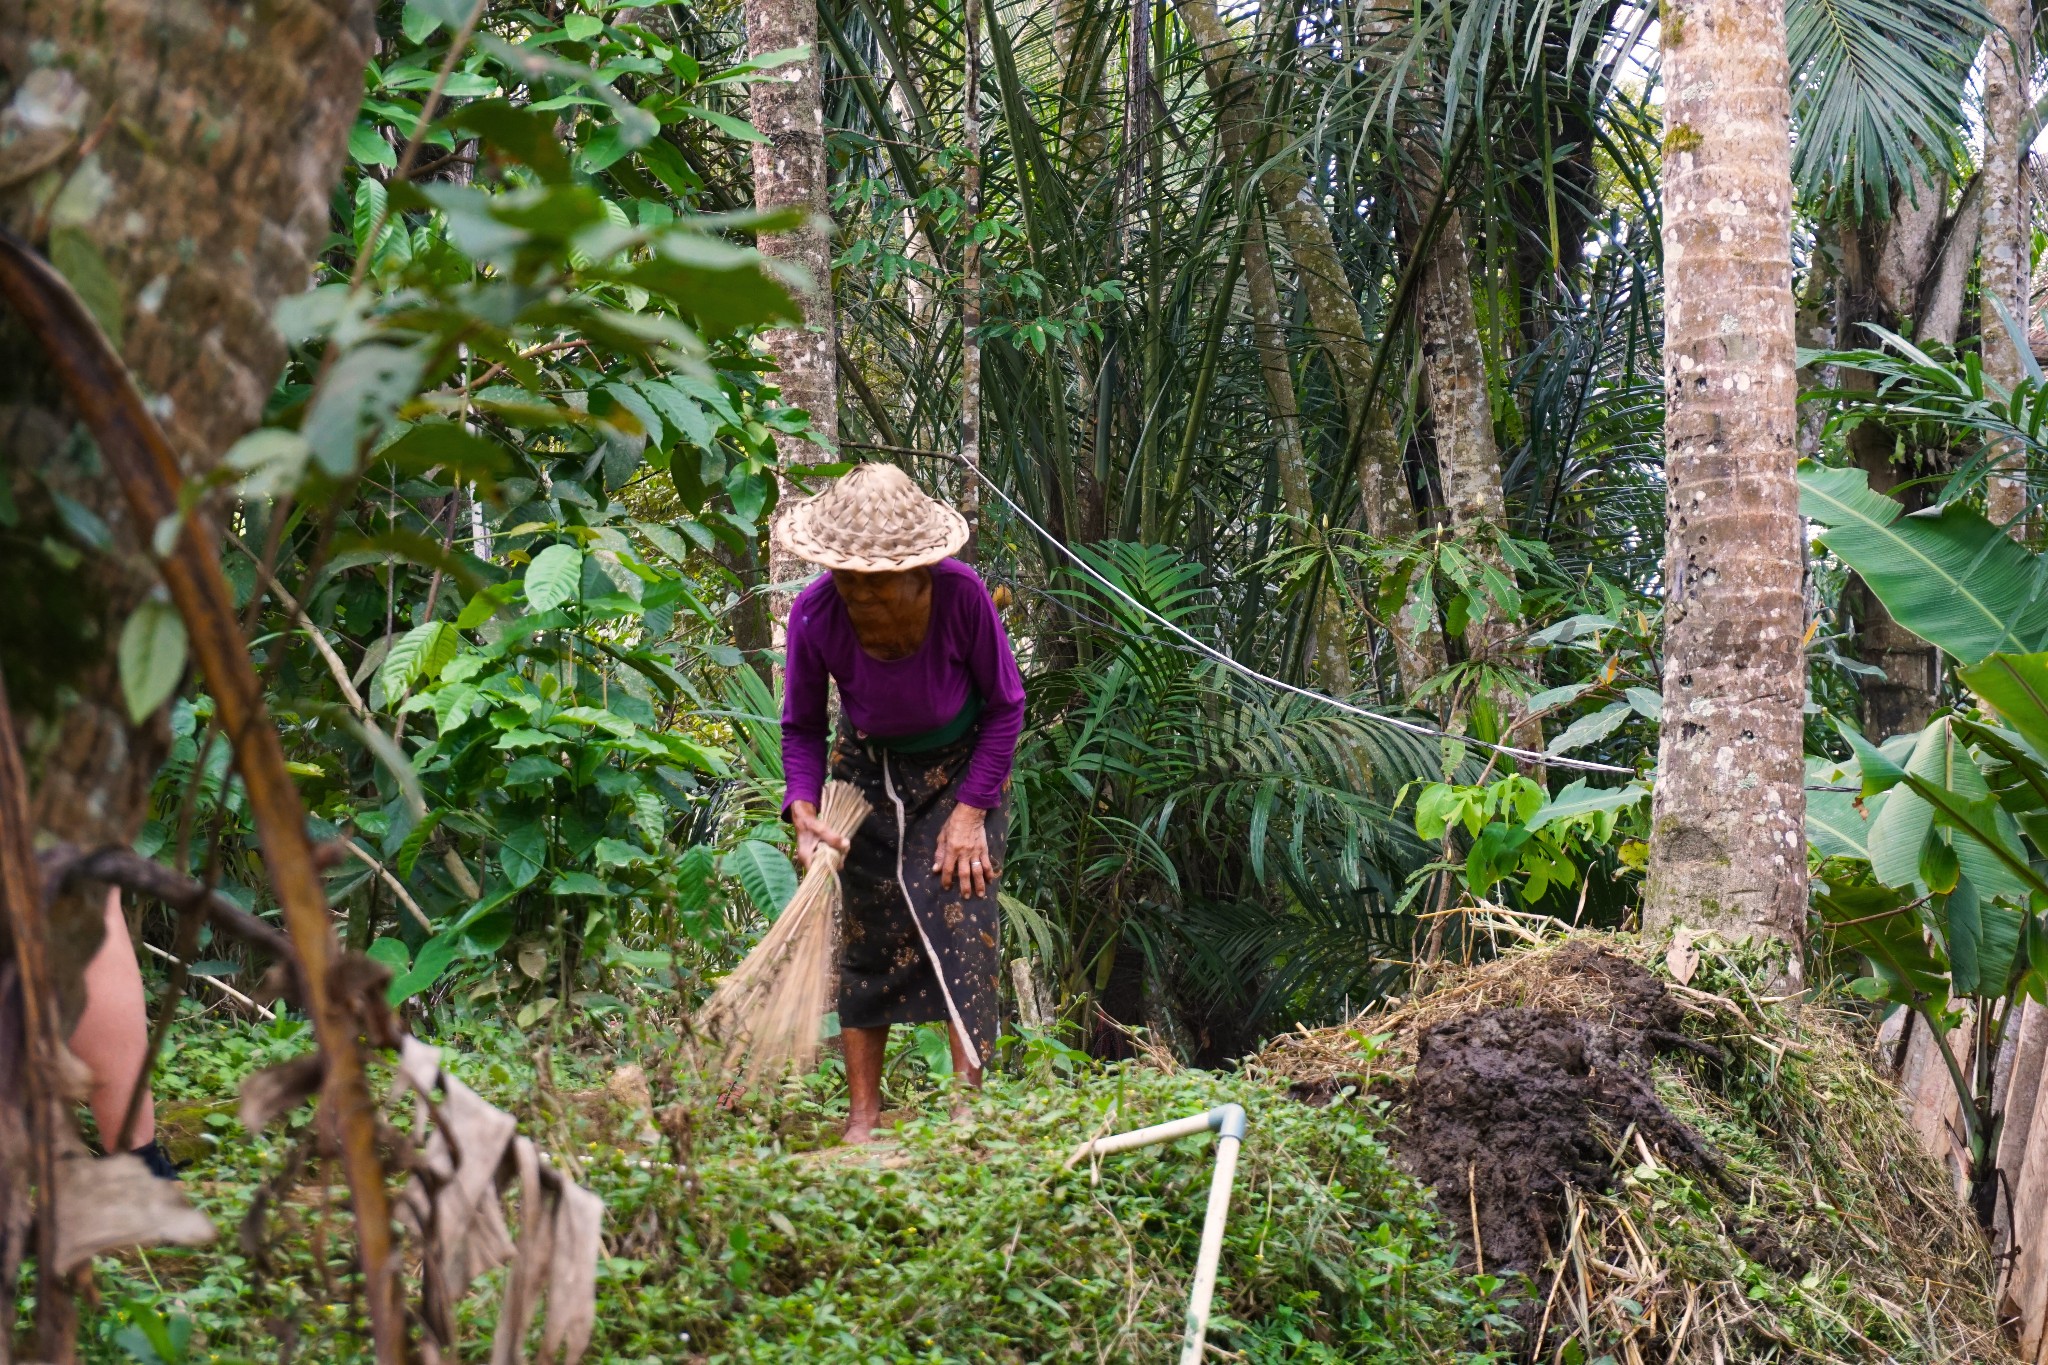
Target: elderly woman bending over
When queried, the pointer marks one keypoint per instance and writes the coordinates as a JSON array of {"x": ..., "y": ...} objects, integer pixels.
[{"x": 931, "y": 706}]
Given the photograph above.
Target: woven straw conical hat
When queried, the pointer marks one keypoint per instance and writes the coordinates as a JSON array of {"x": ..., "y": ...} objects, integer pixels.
[{"x": 871, "y": 519}]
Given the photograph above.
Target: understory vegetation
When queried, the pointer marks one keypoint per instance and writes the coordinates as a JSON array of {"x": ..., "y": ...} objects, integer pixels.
[{"x": 394, "y": 409}]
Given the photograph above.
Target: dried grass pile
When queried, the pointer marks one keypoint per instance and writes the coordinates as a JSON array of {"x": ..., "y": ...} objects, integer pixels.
[
  {"x": 1813, "y": 1230},
  {"x": 765, "y": 1018}
]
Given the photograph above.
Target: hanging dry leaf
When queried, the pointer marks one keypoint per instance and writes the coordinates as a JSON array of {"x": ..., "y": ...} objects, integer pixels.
[
  {"x": 275, "y": 1091},
  {"x": 454, "y": 1205},
  {"x": 111, "y": 1203},
  {"x": 523, "y": 1283},
  {"x": 1681, "y": 958},
  {"x": 572, "y": 1275}
]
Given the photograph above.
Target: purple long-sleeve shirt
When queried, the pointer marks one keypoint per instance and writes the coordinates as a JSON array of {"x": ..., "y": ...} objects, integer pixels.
[{"x": 964, "y": 647}]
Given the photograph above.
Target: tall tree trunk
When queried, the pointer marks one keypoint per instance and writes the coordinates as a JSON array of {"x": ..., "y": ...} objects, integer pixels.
[
  {"x": 1883, "y": 265},
  {"x": 177, "y": 162},
  {"x": 197, "y": 156},
  {"x": 1728, "y": 843},
  {"x": 2008, "y": 237},
  {"x": 787, "y": 105},
  {"x": 970, "y": 284},
  {"x": 1461, "y": 410},
  {"x": 1333, "y": 314},
  {"x": 1269, "y": 332}
]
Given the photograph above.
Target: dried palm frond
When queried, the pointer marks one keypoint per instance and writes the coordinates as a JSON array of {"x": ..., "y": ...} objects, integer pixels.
[{"x": 766, "y": 1015}]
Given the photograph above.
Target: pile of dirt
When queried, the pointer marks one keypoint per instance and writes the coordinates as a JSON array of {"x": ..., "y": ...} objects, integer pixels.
[
  {"x": 1683, "y": 1173},
  {"x": 1510, "y": 1107}
]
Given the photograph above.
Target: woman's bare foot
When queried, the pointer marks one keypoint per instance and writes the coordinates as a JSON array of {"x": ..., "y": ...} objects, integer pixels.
[{"x": 859, "y": 1130}]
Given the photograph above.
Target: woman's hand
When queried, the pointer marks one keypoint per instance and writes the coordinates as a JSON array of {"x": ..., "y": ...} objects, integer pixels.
[
  {"x": 811, "y": 832},
  {"x": 963, "y": 851}
]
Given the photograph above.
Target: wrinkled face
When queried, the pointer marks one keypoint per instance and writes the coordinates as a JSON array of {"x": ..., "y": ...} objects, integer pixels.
[{"x": 887, "y": 591}]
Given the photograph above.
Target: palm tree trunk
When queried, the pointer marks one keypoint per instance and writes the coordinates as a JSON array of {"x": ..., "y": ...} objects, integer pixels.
[
  {"x": 1333, "y": 315},
  {"x": 1728, "y": 844},
  {"x": 1882, "y": 265},
  {"x": 970, "y": 285},
  {"x": 1467, "y": 455},
  {"x": 1454, "y": 368},
  {"x": 1269, "y": 332},
  {"x": 786, "y": 104},
  {"x": 2007, "y": 240}
]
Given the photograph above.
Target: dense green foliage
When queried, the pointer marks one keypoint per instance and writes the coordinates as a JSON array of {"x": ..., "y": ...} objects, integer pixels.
[{"x": 960, "y": 1242}]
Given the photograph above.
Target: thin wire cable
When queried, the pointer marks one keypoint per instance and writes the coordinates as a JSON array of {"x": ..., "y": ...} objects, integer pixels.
[{"x": 1246, "y": 670}]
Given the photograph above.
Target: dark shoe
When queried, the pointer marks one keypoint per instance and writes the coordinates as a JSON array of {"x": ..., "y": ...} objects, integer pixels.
[{"x": 158, "y": 1160}]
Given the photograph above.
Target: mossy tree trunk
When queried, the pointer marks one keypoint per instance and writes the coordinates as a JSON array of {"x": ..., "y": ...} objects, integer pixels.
[
  {"x": 786, "y": 104},
  {"x": 2006, "y": 253},
  {"x": 175, "y": 161},
  {"x": 1728, "y": 844}
]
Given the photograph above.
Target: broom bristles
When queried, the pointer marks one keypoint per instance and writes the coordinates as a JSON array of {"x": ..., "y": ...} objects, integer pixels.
[{"x": 766, "y": 1015}]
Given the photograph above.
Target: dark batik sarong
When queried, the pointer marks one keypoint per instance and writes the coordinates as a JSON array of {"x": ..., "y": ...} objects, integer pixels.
[{"x": 893, "y": 931}]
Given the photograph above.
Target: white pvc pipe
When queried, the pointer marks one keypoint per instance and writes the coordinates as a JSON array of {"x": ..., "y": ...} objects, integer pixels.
[
  {"x": 1228, "y": 1123},
  {"x": 1144, "y": 1137},
  {"x": 1227, "y": 1142}
]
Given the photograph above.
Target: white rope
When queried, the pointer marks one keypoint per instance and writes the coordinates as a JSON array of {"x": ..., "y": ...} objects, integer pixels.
[{"x": 1210, "y": 652}]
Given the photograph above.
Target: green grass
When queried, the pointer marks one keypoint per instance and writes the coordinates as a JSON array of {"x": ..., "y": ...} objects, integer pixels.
[{"x": 726, "y": 1240}]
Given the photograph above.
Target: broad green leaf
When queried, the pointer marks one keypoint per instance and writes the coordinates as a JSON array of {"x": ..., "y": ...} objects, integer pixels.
[
  {"x": 2016, "y": 687},
  {"x": 523, "y": 853},
  {"x": 1983, "y": 942},
  {"x": 1880, "y": 773},
  {"x": 419, "y": 655},
  {"x": 764, "y": 873},
  {"x": 618, "y": 853},
  {"x": 553, "y": 576},
  {"x": 357, "y": 400},
  {"x": 1586, "y": 626},
  {"x": 418, "y": 22},
  {"x": 1949, "y": 576},
  {"x": 1590, "y": 729},
  {"x": 1878, "y": 923},
  {"x": 392, "y": 953},
  {"x": 432, "y": 961},
  {"x": 696, "y": 879},
  {"x": 453, "y": 705},
  {"x": 1895, "y": 837},
  {"x": 682, "y": 413},
  {"x": 522, "y": 134},
  {"x": 368, "y": 146},
  {"x": 270, "y": 460},
  {"x": 1984, "y": 839},
  {"x": 448, "y": 447},
  {"x": 1581, "y": 799},
  {"x": 1551, "y": 697},
  {"x": 1939, "y": 767},
  {"x": 578, "y": 884},
  {"x": 408, "y": 855},
  {"x": 726, "y": 123},
  {"x": 152, "y": 656},
  {"x": 1836, "y": 826},
  {"x": 1964, "y": 929},
  {"x": 636, "y": 403}
]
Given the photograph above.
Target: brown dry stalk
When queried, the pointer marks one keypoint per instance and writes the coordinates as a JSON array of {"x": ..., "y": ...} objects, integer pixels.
[
  {"x": 21, "y": 900},
  {"x": 143, "y": 463}
]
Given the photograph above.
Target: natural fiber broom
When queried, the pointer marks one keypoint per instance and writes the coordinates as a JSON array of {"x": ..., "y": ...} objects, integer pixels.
[{"x": 766, "y": 1015}]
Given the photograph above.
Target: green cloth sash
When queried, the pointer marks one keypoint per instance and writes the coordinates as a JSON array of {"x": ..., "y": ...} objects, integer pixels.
[{"x": 924, "y": 741}]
